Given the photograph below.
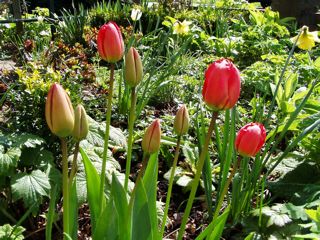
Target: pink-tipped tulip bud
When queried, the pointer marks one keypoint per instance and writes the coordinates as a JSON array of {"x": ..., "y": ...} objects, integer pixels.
[
  {"x": 81, "y": 125},
  {"x": 110, "y": 43},
  {"x": 221, "y": 88},
  {"x": 59, "y": 111},
  {"x": 181, "y": 121},
  {"x": 133, "y": 69},
  {"x": 250, "y": 139},
  {"x": 151, "y": 138}
]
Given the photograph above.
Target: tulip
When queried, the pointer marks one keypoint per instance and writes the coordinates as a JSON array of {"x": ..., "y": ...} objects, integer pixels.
[
  {"x": 133, "y": 70},
  {"x": 221, "y": 88},
  {"x": 59, "y": 111},
  {"x": 110, "y": 43},
  {"x": 181, "y": 121},
  {"x": 151, "y": 138},
  {"x": 81, "y": 126},
  {"x": 250, "y": 139}
]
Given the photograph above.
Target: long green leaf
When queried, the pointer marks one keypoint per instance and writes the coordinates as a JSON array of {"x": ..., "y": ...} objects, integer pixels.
[
  {"x": 119, "y": 197},
  {"x": 107, "y": 224},
  {"x": 93, "y": 183},
  {"x": 141, "y": 221},
  {"x": 215, "y": 228},
  {"x": 150, "y": 183}
]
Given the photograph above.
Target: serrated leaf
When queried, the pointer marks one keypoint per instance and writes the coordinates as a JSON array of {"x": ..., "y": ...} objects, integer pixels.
[
  {"x": 26, "y": 140},
  {"x": 8, "y": 159},
  {"x": 7, "y": 234},
  {"x": 279, "y": 220},
  {"x": 30, "y": 187}
]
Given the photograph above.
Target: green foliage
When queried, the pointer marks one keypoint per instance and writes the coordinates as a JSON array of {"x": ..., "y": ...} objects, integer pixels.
[
  {"x": 7, "y": 232},
  {"x": 29, "y": 167},
  {"x": 71, "y": 28},
  {"x": 30, "y": 187}
]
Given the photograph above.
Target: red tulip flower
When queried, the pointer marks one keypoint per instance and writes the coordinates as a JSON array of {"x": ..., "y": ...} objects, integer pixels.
[
  {"x": 152, "y": 136},
  {"x": 221, "y": 88},
  {"x": 250, "y": 139},
  {"x": 110, "y": 43}
]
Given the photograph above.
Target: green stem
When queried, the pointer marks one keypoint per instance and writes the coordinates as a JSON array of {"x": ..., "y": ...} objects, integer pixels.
[
  {"x": 74, "y": 166},
  {"x": 106, "y": 137},
  {"x": 130, "y": 138},
  {"x": 196, "y": 180},
  {"x": 65, "y": 186},
  {"x": 224, "y": 191},
  {"x": 175, "y": 161}
]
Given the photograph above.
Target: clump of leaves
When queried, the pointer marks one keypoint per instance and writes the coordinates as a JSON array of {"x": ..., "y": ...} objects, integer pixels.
[
  {"x": 27, "y": 168},
  {"x": 7, "y": 232}
]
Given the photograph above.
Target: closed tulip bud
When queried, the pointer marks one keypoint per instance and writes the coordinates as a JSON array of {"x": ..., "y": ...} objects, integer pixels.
[
  {"x": 221, "y": 88},
  {"x": 151, "y": 138},
  {"x": 81, "y": 126},
  {"x": 133, "y": 70},
  {"x": 250, "y": 139},
  {"x": 181, "y": 121},
  {"x": 110, "y": 43},
  {"x": 59, "y": 111}
]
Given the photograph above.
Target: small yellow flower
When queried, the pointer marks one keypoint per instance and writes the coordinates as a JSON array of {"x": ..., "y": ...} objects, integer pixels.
[
  {"x": 306, "y": 40},
  {"x": 181, "y": 28}
]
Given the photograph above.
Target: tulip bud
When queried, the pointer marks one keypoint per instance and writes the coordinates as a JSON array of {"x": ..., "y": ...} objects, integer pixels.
[
  {"x": 81, "y": 126},
  {"x": 151, "y": 138},
  {"x": 181, "y": 121},
  {"x": 133, "y": 70},
  {"x": 221, "y": 88},
  {"x": 250, "y": 139},
  {"x": 59, "y": 111},
  {"x": 110, "y": 42}
]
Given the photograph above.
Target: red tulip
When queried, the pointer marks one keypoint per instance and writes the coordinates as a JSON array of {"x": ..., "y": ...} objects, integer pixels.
[
  {"x": 250, "y": 139},
  {"x": 59, "y": 111},
  {"x": 151, "y": 138},
  {"x": 110, "y": 42},
  {"x": 221, "y": 88}
]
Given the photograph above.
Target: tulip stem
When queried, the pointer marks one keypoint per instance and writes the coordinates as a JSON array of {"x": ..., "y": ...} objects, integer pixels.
[
  {"x": 173, "y": 169},
  {"x": 65, "y": 187},
  {"x": 224, "y": 191},
  {"x": 130, "y": 137},
  {"x": 196, "y": 179},
  {"x": 106, "y": 137},
  {"x": 74, "y": 166}
]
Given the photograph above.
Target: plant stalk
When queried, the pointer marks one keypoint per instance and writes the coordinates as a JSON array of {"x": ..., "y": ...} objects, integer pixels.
[
  {"x": 224, "y": 191},
  {"x": 65, "y": 186},
  {"x": 132, "y": 116},
  {"x": 175, "y": 161},
  {"x": 74, "y": 166},
  {"x": 106, "y": 136},
  {"x": 197, "y": 176}
]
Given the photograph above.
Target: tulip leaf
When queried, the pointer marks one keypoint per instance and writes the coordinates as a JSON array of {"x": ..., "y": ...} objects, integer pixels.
[
  {"x": 31, "y": 187},
  {"x": 107, "y": 227},
  {"x": 93, "y": 183},
  {"x": 141, "y": 220},
  {"x": 150, "y": 182},
  {"x": 119, "y": 196}
]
